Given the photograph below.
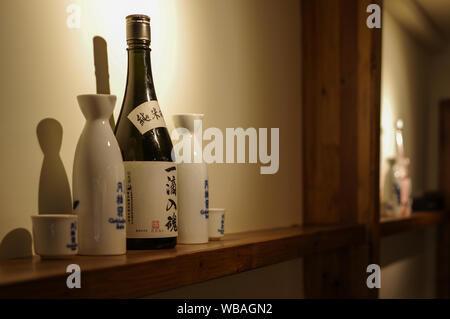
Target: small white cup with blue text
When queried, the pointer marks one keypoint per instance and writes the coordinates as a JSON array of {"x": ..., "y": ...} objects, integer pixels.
[
  {"x": 216, "y": 223},
  {"x": 55, "y": 235}
]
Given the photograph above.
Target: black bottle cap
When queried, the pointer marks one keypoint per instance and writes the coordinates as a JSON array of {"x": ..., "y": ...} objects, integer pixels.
[{"x": 138, "y": 27}]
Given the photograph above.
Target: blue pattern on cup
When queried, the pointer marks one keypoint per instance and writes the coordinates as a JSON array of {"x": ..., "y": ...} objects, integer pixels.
[
  {"x": 221, "y": 230},
  {"x": 73, "y": 238}
]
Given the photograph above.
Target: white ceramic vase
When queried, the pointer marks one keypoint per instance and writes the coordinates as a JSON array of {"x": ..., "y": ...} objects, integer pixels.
[
  {"x": 98, "y": 181},
  {"x": 193, "y": 186}
]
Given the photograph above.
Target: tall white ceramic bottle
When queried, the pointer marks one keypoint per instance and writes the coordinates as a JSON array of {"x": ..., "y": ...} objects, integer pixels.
[
  {"x": 193, "y": 186},
  {"x": 98, "y": 181}
]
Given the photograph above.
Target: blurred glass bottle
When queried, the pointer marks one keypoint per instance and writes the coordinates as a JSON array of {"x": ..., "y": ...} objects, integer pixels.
[{"x": 401, "y": 170}]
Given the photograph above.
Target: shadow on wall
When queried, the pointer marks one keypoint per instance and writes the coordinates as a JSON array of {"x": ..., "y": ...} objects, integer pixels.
[
  {"x": 16, "y": 244},
  {"x": 54, "y": 189}
]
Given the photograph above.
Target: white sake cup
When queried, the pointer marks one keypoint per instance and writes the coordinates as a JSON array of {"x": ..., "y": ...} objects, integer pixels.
[
  {"x": 216, "y": 223},
  {"x": 55, "y": 235}
]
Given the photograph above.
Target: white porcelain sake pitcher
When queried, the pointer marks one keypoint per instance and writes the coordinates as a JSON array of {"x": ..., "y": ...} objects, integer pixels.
[
  {"x": 98, "y": 181},
  {"x": 193, "y": 187}
]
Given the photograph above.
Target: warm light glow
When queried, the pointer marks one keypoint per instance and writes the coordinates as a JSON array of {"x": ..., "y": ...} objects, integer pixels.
[
  {"x": 387, "y": 128},
  {"x": 106, "y": 19},
  {"x": 399, "y": 138},
  {"x": 387, "y": 146}
]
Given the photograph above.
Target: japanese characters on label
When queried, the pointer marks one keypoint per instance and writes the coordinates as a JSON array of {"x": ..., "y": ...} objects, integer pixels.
[
  {"x": 119, "y": 221},
  {"x": 147, "y": 116},
  {"x": 151, "y": 203},
  {"x": 205, "y": 212},
  {"x": 171, "y": 206}
]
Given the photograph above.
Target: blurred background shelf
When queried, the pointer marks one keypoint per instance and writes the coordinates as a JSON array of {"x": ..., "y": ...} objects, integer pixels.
[
  {"x": 390, "y": 226},
  {"x": 140, "y": 273}
]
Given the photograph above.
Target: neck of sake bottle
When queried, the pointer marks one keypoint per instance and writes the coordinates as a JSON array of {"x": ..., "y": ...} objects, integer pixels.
[{"x": 140, "y": 87}]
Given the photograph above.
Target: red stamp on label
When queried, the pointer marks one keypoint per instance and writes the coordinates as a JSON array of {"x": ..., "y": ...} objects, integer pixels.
[{"x": 155, "y": 224}]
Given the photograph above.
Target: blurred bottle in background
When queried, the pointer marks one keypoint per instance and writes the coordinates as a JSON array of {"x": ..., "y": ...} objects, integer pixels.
[{"x": 401, "y": 170}]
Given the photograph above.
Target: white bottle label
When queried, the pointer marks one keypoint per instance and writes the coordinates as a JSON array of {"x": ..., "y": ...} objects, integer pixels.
[
  {"x": 147, "y": 116},
  {"x": 151, "y": 199}
]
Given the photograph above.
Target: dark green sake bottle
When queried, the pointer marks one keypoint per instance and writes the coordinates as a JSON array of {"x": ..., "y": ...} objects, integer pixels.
[{"x": 150, "y": 173}]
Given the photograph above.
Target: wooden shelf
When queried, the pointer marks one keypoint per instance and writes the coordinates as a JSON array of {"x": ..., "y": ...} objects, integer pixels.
[
  {"x": 391, "y": 226},
  {"x": 140, "y": 273}
]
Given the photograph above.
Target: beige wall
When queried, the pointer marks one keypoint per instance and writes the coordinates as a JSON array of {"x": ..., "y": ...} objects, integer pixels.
[
  {"x": 407, "y": 260},
  {"x": 404, "y": 88},
  {"x": 236, "y": 61},
  {"x": 408, "y": 267},
  {"x": 439, "y": 90}
]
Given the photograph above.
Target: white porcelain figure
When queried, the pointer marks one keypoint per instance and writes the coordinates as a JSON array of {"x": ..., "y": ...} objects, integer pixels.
[
  {"x": 98, "y": 181},
  {"x": 193, "y": 186}
]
